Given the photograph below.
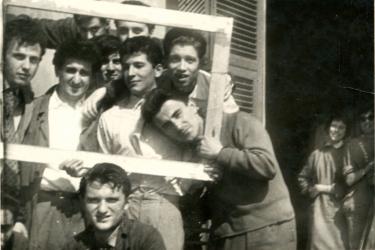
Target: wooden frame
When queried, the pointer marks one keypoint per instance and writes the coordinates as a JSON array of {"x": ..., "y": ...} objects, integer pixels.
[{"x": 221, "y": 26}]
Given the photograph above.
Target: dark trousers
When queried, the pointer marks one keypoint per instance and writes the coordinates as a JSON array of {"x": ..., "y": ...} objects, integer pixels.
[{"x": 281, "y": 236}]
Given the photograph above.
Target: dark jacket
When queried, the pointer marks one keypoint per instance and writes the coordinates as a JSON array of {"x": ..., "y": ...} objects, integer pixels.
[
  {"x": 37, "y": 134},
  {"x": 132, "y": 235},
  {"x": 252, "y": 193}
]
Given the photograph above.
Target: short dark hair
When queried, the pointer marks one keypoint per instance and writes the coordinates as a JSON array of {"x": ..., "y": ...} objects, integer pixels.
[
  {"x": 24, "y": 30},
  {"x": 107, "y": 44},
  {"x": 182, "y": 36},
  {"x": 77, "y": 49},
  {"x": 150, "y": 26},
  {"x": 154, "y": 100},
  {"x": 106, "y": 173},
  {"x": 84, "y": 18},
  {"x": 143, "y": 44},
  {"x": 338, "y": 116}
]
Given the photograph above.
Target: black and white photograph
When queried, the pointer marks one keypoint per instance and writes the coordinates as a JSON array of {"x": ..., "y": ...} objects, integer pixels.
[{"x": 187, "y": 125}]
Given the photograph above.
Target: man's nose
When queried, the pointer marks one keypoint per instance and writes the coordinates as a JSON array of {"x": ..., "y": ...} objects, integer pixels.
[
  {"x": 177, "y": 123},
  {"x": 111, "y": 66},
  {"x": 182, "y": 65},
  {"x": 103, "y": 207},
  {"x": 76, "y": 78},
  {"x": 131, "y": 71},
  {"x": 26, "y": 64}
]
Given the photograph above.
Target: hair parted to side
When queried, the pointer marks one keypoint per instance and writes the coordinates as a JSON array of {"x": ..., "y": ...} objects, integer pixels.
[
  {"x": 180, "y": 36},
  {"x": 150, "y": 26},
  {"x": 143, "y": 44},
  {"x": 107, "y": 45},
  {"x": 79, "y": 50},
  {"x": 106, "y": 173},
  {"x": 25, "y": 31}
]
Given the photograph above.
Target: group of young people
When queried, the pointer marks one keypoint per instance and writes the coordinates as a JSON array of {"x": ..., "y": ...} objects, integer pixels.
[{"x": 134, "y": 95}]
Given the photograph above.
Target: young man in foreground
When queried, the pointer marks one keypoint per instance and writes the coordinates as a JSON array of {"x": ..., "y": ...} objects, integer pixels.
[
  {"x": 249, "y": 203},
  {"x": 104, "y": 191}
]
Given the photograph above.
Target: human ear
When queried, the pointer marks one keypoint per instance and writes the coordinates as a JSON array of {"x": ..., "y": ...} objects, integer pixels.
[{"x": 158, "y": 70}]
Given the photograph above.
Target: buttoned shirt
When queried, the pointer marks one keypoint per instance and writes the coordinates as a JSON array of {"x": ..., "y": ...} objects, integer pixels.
[{"x": 65, "y": 126}]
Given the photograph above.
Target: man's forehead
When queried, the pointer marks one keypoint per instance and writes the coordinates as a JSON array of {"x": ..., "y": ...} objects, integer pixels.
[
  {"x": 76, "y": 62},
  {"x": 17, "y": 45},
  {"x": 136, "y": 56},
  {"x": 168, "y": 108},
  {"x": 129, "y": 24},
  {"x": 97, "y": 185},
  {"x": 184, "y": 49}
]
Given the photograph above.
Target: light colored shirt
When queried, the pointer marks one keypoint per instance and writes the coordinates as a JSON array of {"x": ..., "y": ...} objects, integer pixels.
[
  {"x": 199, "y": 95},
  {"x": 122, "y": 131},
  {"x": 65, "y": 126}
]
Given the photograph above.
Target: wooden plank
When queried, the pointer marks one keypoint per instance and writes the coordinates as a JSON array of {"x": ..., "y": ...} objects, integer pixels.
[
  {"x": 134, "y": 13},
  {"x": 260, "y": 83},
  {"x": 217, "y": 85},
  {"x": 186, "y": 170}
]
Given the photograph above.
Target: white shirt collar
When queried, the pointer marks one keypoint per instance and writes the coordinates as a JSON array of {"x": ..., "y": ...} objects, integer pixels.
[{"x": 56, "y": 102}]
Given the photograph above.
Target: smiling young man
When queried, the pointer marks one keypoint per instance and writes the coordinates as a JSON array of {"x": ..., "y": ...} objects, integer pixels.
[
  {"x": 184, "y": 51},
  {"x": 104, "y": 191},
  {"x": 50, "y": 193},
  {"x": 259, "y": 215}
]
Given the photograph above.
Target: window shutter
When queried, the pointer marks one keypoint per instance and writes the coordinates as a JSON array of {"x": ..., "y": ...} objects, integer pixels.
[{"x": 247, "y": 61}]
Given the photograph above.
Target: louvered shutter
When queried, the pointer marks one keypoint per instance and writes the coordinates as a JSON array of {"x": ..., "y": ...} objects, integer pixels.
[{"x": 247, "y": 61}]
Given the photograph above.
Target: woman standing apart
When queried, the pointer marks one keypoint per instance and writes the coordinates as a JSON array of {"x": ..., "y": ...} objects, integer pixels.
[{"x": 321, "y": 178}]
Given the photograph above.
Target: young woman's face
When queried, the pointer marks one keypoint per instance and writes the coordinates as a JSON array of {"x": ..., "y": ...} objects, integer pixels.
[{"x": 337, "y": 130}]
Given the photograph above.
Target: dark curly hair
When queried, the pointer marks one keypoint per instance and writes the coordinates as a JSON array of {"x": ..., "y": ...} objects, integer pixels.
[
  {"x": 24, "y": 30},
  {"x": 182, "y": 36},
  {"x": 107, "y": 44},
  {"x": 80, "y": 50},
  {"x": 154, "y": 100},
  {"x": 143, "y": 44},
  {"x": 106, "y": 173}
]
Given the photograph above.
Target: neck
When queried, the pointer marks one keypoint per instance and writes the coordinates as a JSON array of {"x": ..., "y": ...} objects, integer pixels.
[
  {"x": 67, "y": 99},
  {"x": 107, "y": 236}
]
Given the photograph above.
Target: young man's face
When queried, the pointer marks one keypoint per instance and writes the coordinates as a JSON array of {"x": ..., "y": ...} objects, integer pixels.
[
  {"x": 337, "y": 130},
  {"x": 127, "y": 30},
  {"x": 367, "y": 122},
  {"x": 183, "y": 65},
  {"x": 74, "y": 79},
  {"x": 21, "y": 63},
  {"x": 7, "y": 222},
  {"x": 92, "y": 27},
  {"x": 111, "y": 68},
  {"x": 139, "y": 74},
  {"x": 104, "y": 205},
  {"x": 179, "y": 121}
]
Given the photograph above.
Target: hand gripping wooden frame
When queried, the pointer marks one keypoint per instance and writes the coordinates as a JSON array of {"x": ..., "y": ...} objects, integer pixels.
[{"x": 222, "y": 29}]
